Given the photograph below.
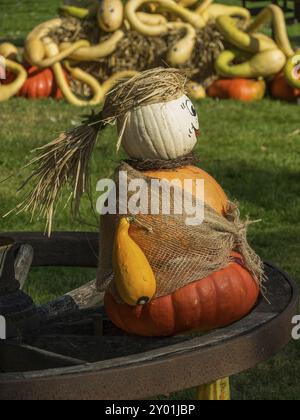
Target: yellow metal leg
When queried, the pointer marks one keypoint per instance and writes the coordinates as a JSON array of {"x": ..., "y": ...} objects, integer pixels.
[{"x": 217, "y": 391}]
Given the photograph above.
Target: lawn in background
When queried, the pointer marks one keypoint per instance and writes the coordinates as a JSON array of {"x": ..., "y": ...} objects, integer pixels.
[{"x": 253, "y": 150}]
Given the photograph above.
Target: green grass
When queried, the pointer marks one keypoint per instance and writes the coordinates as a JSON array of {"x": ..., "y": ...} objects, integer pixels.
[{"x": 253, "y": 150}]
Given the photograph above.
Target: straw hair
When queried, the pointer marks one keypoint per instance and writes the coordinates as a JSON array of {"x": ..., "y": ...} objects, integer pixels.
[
  {"x": 147, "y": 88},
  {"x": 65, "y": 161},
  {"x": 62, "y": 162}
]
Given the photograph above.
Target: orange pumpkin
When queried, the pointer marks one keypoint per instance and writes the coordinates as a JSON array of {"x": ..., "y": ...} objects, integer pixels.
[
  {"x": 40, "y": 84},
  {"x": 215, "y": 197},
  {"x": 280, "y": 89},
  {"x": 245, "y": 90},
  {"x": 214, "y": 302},
  {"x": 219, "y": 89}
]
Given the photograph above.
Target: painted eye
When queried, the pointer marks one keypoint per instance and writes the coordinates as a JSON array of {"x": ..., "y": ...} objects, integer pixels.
[{"x": 191, "y": 108}]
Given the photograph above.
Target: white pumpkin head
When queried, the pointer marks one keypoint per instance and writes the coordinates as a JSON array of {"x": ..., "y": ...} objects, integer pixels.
[{"x": 166, "y": 130}]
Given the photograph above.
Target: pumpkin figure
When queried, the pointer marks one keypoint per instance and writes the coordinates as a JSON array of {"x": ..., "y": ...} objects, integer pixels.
[
  {"x": 163, "y": 273},
  {"x": 166, "y": 131}
]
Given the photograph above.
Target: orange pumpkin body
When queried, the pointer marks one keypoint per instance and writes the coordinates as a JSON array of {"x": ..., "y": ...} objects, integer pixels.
[
  {"x": 214, "y": 302},
  {"x": 280, "y": 89},
  {"x": 214, "y": 195},
  {"x": 245, "y": 90}
]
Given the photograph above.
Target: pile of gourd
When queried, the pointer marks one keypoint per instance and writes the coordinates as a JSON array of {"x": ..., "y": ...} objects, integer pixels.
[{"x": 62, "y": 64}]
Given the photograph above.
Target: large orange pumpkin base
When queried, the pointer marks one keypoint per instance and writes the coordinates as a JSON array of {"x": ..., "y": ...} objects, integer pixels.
[{"x": 214, "y": 302}]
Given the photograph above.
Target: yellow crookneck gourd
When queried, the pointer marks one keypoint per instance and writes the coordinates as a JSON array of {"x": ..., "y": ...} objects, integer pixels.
[
  {"x": 263, "y": 64},
  {"x": 171, "y": 6},
  {"x": 8, "y": 91},
  {"x": 92, "y": 52},
  {"x": 292, "y": 70},
  {"x": 134, "y": 277},
  {"x": 210, "y": 12},
  {"x": 8, "y": 50},
  {"x": 98, "y": 91},
  {"x": 258, "y": 55},
  {"x": 73, "y": 11},
  {"x": 35, "y": 50},
  {"x": 274, "y": 14},
  {"x": 266, "y": 56}
]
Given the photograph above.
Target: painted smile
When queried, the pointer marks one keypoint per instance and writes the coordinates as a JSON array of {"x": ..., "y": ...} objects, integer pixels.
[{"x": 197, "y": 131}]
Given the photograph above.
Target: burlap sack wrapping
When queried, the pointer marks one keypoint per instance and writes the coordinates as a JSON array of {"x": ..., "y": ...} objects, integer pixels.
[{"x": 179, "y": 254}]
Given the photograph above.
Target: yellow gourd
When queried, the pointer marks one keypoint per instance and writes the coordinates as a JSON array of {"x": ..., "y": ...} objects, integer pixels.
[
  {"x": 77, "y": 12},
  {"x": 110, "y": 15},
  {"x": 292, "y": 70},
  {"x": 134, "y": 278},
  {"x": 7, "y": 91},
  {"x": 196, "y": 91},
  {"x": 8, "y": 50},
  {"x": 182, "y": 51},
  {"x": 92, "y": 52}
]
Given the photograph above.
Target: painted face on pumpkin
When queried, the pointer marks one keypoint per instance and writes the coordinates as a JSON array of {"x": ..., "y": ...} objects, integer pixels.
[
  {"x": 188, "y": 105},
  {"x": 182, "y": 119},
  {"x": 166, "y": 130}
]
